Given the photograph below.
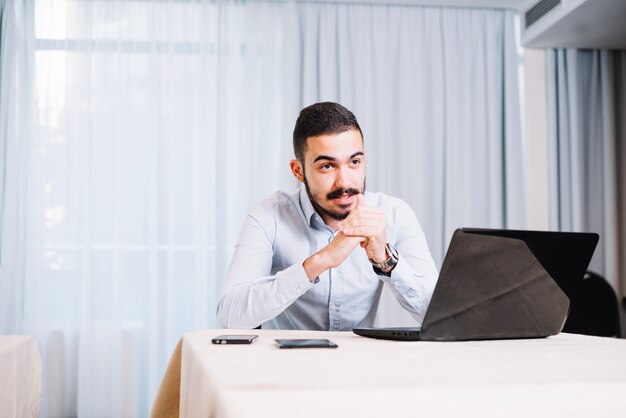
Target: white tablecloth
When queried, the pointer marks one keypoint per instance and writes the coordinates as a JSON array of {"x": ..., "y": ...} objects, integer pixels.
[
  {"x": 20, "y": 376},
  {"x": 566, "y": 375}
]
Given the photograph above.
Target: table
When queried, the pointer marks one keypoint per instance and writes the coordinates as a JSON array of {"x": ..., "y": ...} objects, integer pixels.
[
  {"x": 565, "y": 375},
  {"x": 20, "y": 376}
]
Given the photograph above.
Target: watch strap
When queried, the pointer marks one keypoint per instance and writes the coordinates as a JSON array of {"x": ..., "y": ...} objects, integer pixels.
[{"x": 386, "y": 267}]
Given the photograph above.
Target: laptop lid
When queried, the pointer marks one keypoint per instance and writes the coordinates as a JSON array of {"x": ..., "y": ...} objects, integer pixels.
[
  {"x": 564, "y": 255},
  {"x": 492, "y": 286}
]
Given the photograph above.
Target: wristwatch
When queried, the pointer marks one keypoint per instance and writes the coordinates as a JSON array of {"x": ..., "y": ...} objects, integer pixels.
[{"x": 386, "y": 267}]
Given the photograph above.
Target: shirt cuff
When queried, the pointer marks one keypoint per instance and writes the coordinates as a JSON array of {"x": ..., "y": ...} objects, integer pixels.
[
  {"x": 406, "y": 283},
  {"x": 293, "y": 281}
]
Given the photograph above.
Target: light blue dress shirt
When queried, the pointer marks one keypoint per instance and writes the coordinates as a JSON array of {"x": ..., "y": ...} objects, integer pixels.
[{"x": 267, "y": 285}]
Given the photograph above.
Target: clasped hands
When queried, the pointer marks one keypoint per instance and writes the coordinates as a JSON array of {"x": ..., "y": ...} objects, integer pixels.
[{"x": 364, "y": 226}]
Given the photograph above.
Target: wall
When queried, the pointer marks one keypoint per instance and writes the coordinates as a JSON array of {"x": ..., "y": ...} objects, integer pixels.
[{"x": 536, "y": 132}]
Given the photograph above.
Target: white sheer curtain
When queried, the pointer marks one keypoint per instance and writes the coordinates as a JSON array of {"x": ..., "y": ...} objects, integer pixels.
[
  {"x": 14, "y": 143},
  {"x": 587, "y": 134},
  {"x": 157, "y": 124}
]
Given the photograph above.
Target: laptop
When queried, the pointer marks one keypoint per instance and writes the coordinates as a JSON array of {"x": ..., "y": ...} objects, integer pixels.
[{"x": 500, "y": 284}]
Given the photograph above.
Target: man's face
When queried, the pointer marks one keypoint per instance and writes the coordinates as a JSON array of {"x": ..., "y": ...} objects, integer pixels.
[{"x": 333, "y": 172}]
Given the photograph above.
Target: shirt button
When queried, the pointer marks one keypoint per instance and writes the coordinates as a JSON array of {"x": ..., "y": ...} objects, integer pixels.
[
  {"x": 299, "y": 291},
  {"x": 396, "y": 283}
]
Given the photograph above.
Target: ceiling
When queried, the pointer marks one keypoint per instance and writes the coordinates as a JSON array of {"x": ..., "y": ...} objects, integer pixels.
[{"x": 580, "y": 24}]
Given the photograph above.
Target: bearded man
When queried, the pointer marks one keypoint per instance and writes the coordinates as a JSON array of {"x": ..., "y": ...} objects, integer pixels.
[{"x": 318, "y": 258}]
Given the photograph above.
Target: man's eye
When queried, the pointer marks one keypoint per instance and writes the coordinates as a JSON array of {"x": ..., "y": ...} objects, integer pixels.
[
  {"x": 356, "y": 162},
  {"x": 325, "y": 166}
]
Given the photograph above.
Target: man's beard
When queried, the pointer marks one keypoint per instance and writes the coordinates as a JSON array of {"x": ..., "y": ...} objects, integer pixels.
[{"x": 338, "y": 216}]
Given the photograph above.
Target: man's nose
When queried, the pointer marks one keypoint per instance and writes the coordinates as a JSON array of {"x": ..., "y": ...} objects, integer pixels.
[{"x": 342, "y": 179}]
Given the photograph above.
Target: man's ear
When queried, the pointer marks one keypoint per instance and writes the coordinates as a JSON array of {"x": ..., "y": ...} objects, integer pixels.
[{"x": 297, "y": 170}]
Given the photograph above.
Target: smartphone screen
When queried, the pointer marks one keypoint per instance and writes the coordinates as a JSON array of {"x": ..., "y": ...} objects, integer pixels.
[
  {"x": 306, "y": 343},
  {"x": 234, "y": 339}
]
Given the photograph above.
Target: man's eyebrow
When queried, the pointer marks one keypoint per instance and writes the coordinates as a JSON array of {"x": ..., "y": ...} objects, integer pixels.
[
  {"x": 324, "y": 157},
  {"x": 329, "y": 158}
]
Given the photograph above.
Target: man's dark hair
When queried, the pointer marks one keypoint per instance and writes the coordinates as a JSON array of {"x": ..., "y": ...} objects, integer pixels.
[{"x": 324, "y": 118}]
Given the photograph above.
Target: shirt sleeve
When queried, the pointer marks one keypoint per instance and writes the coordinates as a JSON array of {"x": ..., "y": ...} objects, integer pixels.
[
  {"x": 413, "y": 279},
  {"x": 251, "y": 295}
]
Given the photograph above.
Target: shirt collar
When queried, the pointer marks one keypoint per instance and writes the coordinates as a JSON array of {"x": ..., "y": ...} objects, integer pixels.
[{"x": 307, "y": 206}]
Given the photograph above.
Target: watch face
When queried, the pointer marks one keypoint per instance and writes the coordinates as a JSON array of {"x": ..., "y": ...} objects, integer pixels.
[{"x": 391, "y": 261}]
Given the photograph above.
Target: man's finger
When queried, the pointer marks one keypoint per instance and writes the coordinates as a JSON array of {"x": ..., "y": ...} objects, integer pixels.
[
  {"x": 360, "y": 200},
  {"x": 361, "y": 231}
]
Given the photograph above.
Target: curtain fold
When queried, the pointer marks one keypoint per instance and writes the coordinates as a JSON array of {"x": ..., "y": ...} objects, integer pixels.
[
  {"x": 587, "y": 139},
  {"x": 154, "y": 126},
  {"x": 14, "y": 102}
]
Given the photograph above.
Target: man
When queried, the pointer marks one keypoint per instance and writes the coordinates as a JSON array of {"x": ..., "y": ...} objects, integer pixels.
[{"x": 318, "y": 258}]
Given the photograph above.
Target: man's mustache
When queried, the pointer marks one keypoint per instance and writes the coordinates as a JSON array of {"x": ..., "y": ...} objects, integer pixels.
[{"x": 340, "y": 192}]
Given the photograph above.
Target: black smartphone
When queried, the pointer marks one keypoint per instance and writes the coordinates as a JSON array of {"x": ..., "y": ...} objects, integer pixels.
[
  {"x": 306, "y": 343},
  {"x": 234, "y": 339}
]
